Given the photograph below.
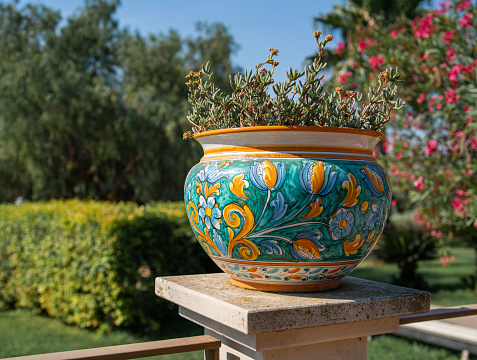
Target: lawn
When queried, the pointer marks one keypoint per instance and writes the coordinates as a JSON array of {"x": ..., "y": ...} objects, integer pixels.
[
  {"x": 444, "y": 283},
  {"x": 22, "y": 333}
]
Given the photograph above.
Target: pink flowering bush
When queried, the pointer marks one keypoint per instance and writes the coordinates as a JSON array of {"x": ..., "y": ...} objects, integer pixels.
[{"x": 431, "y": 145}]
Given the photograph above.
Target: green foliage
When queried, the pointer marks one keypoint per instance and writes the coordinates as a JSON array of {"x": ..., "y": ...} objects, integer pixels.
[
  {"x": 93, "y": 264},
  {"x": 406, "y": 247},
  {"x": 90, "y": 110},
  {"x": 431, "y": 145},
  {"x": 298, "y": 101}
]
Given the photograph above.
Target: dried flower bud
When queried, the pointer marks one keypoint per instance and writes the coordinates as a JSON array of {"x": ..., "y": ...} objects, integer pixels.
[
  {"x": 275, "y": 63},
  {"x": 351, "y": 94},
  {"x": 339, "y": 89},
  {"x": 273, "y": 51},
  {"x": 317, "y": 33},
  {"x": 328, "y": 38},
  {"x": 200, "y": 73},
  {"x": 383, "y": 75},
  {"x": 190, "y": 75},
  {"x": 187, "y": 135}
]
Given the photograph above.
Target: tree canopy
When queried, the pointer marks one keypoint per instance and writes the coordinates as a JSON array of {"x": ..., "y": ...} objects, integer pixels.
[{"x": 88, "y": 109}]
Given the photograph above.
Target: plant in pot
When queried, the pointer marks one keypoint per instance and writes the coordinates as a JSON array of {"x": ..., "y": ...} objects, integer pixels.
[{"x": 288, "y": 195}]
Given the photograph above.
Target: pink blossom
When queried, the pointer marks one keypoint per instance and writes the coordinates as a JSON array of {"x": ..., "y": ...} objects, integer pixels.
[
  {"x": 423, "y": 27},
  {"x": 463, "y": 5},
  {"x": 376, "y": 61},
  {"x": 451, "y": 96},
  {"x": 394, "y": 34},
  {"x": 343, "y": 77},
  {"x": 431, "y": 147},
  {"x": 460, "y": 203},
  {"x": 419, "y": 218},
  {"x": 466, "y": 108},
  {"x": 437, "y": 234},
  {"x": 454, "y": 73},
  {"x": 465, "y": 20},
  {"x": 447, "y": 37},
  {"x": 461, "y": 193},
  {"x": 393, "y": 202},
  {"x": 421, "y": 98},
  {"x": 450, "y": 52},
  {"x": 364, "y": 44},
  {"x": 455, "y": 148},
  {"x": 399, "y": 155},
  {"x": 473, "y": 144},
  {"x": 418, "y": 184},
  {"x": 339, "y": 48},
  {"x": 394, "y": 170}
]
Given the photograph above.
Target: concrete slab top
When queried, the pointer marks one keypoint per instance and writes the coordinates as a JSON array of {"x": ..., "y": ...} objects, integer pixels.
[{"x": 250, "y": 312}]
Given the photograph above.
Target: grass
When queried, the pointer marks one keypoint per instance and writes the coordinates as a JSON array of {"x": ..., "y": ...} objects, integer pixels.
[
  {"x": 22, "y": 333},
  {"x": 390, "y": 347},
  {"x": 444, "y": 283}
]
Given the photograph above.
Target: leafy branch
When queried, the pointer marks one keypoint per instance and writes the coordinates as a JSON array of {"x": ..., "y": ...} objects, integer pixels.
[{"x": 300, "y": 100}]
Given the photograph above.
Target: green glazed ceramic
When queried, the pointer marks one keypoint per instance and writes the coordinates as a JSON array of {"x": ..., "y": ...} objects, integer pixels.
[{"x": 287, "y": 209}]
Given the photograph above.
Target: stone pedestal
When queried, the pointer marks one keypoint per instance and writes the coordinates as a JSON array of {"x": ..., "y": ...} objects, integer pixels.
[{"x": 330, "y": 324}]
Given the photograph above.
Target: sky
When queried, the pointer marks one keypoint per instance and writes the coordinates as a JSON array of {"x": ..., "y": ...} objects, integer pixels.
[{"x": 255, "y": 25}]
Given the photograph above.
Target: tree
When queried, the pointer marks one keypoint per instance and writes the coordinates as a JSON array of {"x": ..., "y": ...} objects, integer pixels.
[
  {"x": 92, "y": 110},
  {"x": 357, "y": 15},
  {"x": 430, "y": 147}
]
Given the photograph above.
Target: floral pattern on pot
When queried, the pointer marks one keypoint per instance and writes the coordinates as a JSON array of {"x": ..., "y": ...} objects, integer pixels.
[{"x": 256, "y": 218}]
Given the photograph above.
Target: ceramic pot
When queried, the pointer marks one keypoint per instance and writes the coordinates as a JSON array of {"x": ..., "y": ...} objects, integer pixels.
[{"x": 287, "y": 208}]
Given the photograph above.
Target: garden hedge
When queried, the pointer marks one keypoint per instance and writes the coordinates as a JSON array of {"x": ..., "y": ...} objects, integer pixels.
[{"x": 93, "y": 264}]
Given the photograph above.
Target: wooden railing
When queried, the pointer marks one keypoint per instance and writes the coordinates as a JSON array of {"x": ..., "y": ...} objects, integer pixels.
[
  {"x": 135, "y": 351},
  {"x": 440, "y": 314},
  {"x": 207, "y": 343}
]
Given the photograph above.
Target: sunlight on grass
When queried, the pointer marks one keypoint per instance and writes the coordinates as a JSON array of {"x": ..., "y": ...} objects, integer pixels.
[
  {"x": 444, "y": 283},
  {"x": 391, "y": 347},
  {"x": 23, "y": 333}
]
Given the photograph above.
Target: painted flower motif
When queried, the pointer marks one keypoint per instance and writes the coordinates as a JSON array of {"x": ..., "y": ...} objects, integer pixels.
[
  {"x": 187, "y": 190},
  {"x": 341, "y": 224},
  {"x": 317, "y": 178},
  {"x": 219, "y": 242},
  {"x": 280, "y": 207},
  {"x": 376, "y": 216},
  {"x": 267, "y": 175},
  {"x": 272, "y": 247},
  {"x": 209, "y": 212},
  {"x": 211, "y": 173},
  {"x": 306, "y": 246},
  {"x": 351, "y": 248},
  {"x": 373, "y": 180}
]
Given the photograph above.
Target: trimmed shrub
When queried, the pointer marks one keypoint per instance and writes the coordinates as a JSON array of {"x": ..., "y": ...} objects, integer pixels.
[{"x": 93, "y": 264}]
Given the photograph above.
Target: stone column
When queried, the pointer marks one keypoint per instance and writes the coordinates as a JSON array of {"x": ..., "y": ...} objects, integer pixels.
[{"x": 330, "y": 324}]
